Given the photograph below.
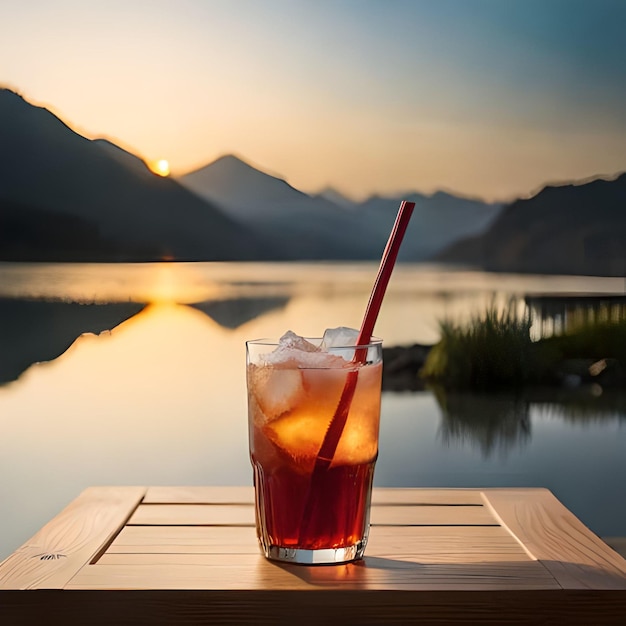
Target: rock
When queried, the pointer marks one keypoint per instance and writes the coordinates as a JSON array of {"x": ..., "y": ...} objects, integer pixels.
[
  {"x": 401, "y": 365},
  {"x": 578, "y": 372}
]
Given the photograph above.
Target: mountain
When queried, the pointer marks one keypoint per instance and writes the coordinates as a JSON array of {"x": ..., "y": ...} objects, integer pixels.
[
  {"x": 53, "y": 174},
  {"x": 29, "y": 233},
  {"x": 127, "y": 159},
  {"x": 65, "y": 197},
  {"x": 568, "y": 229},
  {"x": 438, "y": 220},
  {"x": 336, "y": 197},
  {"x": 244, "y": 190},
  {"x": 327, "y": 225},
  {"x": 304, "y": 227}
]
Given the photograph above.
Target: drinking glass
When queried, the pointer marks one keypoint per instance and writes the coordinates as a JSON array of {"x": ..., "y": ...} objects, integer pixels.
[{"x": 309, "y": 509}]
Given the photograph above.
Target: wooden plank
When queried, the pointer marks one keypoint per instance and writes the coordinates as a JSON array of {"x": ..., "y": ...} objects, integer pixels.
[
  {"x": 403, "y": 496},
  {"x": 425, "y": 515},
  {"x": 185, "y": 540},
  {"x": 70, "y": 540},
  {"x": 443, "y": 544},
  {"x": 194, "y": 514},
  {"x": 432, "y": 550},
  {"x": 199, "y": 495},
  {"x": 243, "y": 514},
  {"x": 247, "y": 572},
  {"x": 422, "y": 543},
  {"x": 245, "y": 495},
  {"x": 554, "y": 536},
  {"x": 217, "y": 558},
  {"x": 277, "y": 608}
]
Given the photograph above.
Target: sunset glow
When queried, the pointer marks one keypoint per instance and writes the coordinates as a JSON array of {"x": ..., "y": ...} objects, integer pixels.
[
  {"x": 482, "y": 97},
  {"x": 161, "y": 167}
]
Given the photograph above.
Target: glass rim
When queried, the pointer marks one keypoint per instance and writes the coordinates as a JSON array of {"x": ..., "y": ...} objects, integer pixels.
[{"x": 317, "y": 341}]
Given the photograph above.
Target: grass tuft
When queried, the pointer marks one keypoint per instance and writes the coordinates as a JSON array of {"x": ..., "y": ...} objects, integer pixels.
[{"x": 494, "y": 350}]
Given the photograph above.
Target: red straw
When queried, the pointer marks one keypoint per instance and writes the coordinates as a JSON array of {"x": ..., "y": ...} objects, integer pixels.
[
  {"x": 390, "y": 254},
  {"x": 337, "y": 424}
]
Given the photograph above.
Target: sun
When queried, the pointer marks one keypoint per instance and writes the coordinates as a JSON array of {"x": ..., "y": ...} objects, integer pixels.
[{"x": 160, "y": 167}]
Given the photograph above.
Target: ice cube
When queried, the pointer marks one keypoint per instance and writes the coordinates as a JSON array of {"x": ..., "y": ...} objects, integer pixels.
[
  {"x": 299, "y": 435},
  {"x": 318, "y": 360},
  {"x": 296, "y": 351},
  {"x": 339, "y": 337},
  {"x": 276, "y": 389},
  {"x": 295, "y": 342},
  {"x": 291, "y": 347}
]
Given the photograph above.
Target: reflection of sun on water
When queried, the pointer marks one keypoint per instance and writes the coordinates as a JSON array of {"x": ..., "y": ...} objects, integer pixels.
[
  {"x": 160, "y": 167},
  {"x": 152, "y": 394},
  {"x": 178, "y": 283}
]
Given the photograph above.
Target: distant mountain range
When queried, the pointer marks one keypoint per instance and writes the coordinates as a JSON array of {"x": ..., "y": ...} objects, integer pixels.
[
  {"x": 569, "y": 229},
  {"x": 289, "y": 220},
  {"x": 64, "y": 197},
  {"x": 329, "y": 225}
]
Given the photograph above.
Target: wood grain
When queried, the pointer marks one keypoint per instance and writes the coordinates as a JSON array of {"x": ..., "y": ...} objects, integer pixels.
[
  {"x": 441, "y": 544},
  {"x": 185, "y": 540},
  {"x": 243, "y": 515},
  {"x": 194, "y": 515},
  {"x": 423, "y": 543},
  {"x": 402, "y": 496},
  {"x": 427, "y": 515},
  {"x": 70, "y": 540},
  {"x": 277, "y": 608},
  {"x": 201, "y": 495},
  {"x": 553, "y": 535},
  {"x": 245, "y": 495}
]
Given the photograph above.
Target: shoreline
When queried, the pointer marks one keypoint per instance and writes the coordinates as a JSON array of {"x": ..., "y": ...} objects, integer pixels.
[{"x": 402, "y": 364}]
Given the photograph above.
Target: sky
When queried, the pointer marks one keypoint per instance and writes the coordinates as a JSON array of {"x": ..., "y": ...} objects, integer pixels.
[{"x": 487, "y": 98}]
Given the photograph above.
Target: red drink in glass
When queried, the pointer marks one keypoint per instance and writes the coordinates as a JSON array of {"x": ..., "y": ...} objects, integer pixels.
[{"x": 305, "y": 516}]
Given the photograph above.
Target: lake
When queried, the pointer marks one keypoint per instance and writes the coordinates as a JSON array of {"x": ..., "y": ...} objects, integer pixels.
[{"x": 129, "y": 374}]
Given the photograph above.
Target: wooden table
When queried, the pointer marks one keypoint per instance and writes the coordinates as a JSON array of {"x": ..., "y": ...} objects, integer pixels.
[{"x": 167, "y": 555}]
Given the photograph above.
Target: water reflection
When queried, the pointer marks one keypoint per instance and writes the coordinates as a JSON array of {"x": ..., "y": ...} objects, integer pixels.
[
  {"x": 501, "y": 423},
  {"x": 33, "y": 331},
  {"x": 492, "y": 423},
  {"x": 235, "y": 312},
  {"x": 586, "y": 405}
]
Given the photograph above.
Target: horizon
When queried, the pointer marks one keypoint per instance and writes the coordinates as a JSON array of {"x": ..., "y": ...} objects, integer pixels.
[
  {"x": 473, "y": 98},
  {"x": 161, "y": 168}
]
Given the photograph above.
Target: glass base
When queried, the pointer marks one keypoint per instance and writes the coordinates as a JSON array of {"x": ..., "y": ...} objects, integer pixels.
[{"x": 328, "y": 556}]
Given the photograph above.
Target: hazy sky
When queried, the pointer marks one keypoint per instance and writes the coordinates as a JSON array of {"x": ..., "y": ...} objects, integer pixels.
[{"x": 485, "y": 97}]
